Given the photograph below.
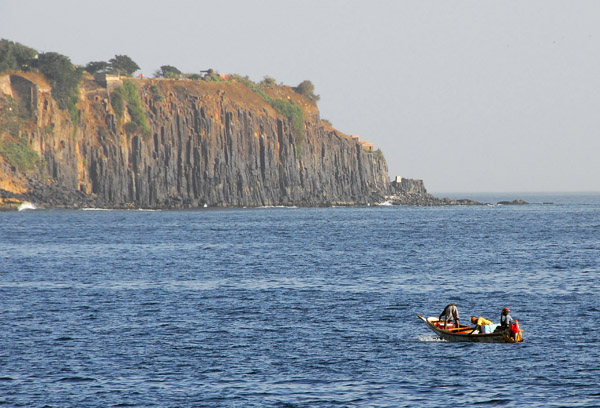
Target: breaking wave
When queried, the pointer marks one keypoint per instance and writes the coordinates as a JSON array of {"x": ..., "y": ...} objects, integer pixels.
[{"x": 27, "y": 206}]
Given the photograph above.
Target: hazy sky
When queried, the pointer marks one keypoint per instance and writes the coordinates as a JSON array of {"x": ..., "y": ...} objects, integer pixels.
[{"x": 470, "y": 96}]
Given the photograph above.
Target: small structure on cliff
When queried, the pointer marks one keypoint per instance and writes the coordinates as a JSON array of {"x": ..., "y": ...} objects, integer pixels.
[
  {"x": 28, "y": 89},
  {"x": 110, "y": 82},
  {"x": 368, "y": 146}
]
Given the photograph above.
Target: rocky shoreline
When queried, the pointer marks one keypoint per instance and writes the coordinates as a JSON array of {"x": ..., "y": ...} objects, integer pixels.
[
  {"x": 413, "y": 192},
  {"x": 61, "y": 198},
  {"x": 52, "y": 195},
  {"x": 407, "y": 192}
]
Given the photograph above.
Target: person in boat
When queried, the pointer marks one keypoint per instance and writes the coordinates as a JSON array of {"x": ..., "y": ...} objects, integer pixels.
[
  {"x": 479, "y": 322},
  {"x": 510, "y": 324},
  {"x": 450, "y": 314},
  {"x": 505, "y": 318}
]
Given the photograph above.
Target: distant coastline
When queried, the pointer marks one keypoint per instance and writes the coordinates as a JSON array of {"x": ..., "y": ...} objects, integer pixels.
[{"x": 556, "y": 197}]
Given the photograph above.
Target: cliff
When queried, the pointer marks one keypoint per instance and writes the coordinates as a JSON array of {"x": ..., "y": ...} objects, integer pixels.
[{"x": 196, "y": 143}]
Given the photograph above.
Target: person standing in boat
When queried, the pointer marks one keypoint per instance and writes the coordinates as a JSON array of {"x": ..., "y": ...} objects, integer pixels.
[{"x": 450, "y": 314}]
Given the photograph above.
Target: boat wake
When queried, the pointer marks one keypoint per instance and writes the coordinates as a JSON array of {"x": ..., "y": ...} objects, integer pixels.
[{"x": 431, "y": 339}]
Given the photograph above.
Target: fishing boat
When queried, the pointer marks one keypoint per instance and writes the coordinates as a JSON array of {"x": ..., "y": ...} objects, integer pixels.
[{"x": 464, "y": 333}]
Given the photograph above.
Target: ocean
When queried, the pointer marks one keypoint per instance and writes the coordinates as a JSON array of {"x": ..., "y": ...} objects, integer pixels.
[{"x": 299, "y": 307}]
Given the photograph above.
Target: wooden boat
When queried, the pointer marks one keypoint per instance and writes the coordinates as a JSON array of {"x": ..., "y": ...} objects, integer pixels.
[{"x": 465, "y": 333}]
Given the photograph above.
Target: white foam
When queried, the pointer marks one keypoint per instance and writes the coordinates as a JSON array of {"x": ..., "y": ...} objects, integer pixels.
[
  {"x": 27, "y": 206},
  {"x": 429, "y": 339}
]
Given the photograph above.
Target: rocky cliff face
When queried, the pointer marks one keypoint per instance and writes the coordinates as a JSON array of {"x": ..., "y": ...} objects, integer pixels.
[{"x": 213, "y": 144}]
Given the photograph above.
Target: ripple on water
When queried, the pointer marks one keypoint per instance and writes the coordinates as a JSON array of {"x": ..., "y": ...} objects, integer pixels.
[{"x": 310, "y": 307}]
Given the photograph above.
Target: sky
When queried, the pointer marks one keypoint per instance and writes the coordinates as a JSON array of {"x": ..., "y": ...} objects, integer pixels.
[{"x": 469, "y": 96}]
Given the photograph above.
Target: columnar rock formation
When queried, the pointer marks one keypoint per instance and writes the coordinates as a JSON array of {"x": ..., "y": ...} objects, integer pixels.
[{"x": 214, "y": 144}]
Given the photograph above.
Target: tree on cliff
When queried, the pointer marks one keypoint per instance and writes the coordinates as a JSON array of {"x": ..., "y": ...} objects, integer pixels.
[
  {"x": 15, "y": 56},
  {"x": 168, "y": 71},
  {"x": 63, "y": 76},
  {"x": 97, "y": 66},
  {"x": 307, "y": 89},
  {"x": 122, "y": 65}
]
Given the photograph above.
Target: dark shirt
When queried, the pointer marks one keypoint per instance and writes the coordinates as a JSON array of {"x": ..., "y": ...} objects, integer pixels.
[{"x": 505, "y": 320}]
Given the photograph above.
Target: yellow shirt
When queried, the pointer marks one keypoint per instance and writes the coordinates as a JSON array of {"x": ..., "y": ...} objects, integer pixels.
[{"x": 482, "y": 322}]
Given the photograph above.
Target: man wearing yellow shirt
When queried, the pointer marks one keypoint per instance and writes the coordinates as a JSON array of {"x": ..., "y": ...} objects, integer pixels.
[{"x": 478, "y": 322}]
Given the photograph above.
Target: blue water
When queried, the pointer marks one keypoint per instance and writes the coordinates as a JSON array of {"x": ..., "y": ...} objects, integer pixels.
[{"x": 298, "y": 307}]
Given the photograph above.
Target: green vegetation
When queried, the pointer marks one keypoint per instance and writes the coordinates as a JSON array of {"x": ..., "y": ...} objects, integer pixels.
[
  {"x": 19, "y": 155},
  {"x": 134, "y": 106},
  {"x": 193, "y": 77},
  {"x": 213, "y": 76},
  {"x": 97, "y": 66},
  {"x": 15, "y": 56},
  {"x": 64, "y": 78},
  {"x": 122, "y": 65},
  {"x": 119, "y": 65},
  {"x": 13, "y": 148},
  {"x": 267, "y": 81},
  {"x": 127, "y": 96},
  {"x": 168, "y": 71},
  {"x": 307, "y": 89},
  {"x": 379, "y": 155},
  {"x": 295, "y": 115},
  {"x": 284, "y": 107},
  {"x": 130, "y": 128},
  {"x": 12, "y": 116},
  {"x": 58, "y": 69},
  {"x": 156, "y": 94},
  {"x": 118, "y": 102}
]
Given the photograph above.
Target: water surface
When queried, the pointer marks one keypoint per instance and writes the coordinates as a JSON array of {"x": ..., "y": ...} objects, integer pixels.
[{"x": 298, "y": 307}]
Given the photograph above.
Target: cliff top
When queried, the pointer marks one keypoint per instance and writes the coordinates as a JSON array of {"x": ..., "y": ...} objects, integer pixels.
[{"x": 236, "y": 91}]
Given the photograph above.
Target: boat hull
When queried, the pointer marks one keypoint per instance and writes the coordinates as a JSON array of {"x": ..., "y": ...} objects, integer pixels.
[{"x": 464, "y": 335}]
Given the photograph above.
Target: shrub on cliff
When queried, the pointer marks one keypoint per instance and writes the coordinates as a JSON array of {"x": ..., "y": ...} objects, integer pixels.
[
  {"x": 267, "y": 81},
  {"x": 127, "y": 95},
  {"x": 130, "y": 128},
  {"x": 18, "y": 154},
  {"x": 295, "y": 115},
  {"x": 157, "y": 96},
  {"x": 380, "y": 156},
  {"x": 15, "y": 56},
  {"x": 284, "y": 107},
  {"x": 307, "y": 89},
  {"x": 118, "y": 102},
  {"x": 193, "y": 77}
]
